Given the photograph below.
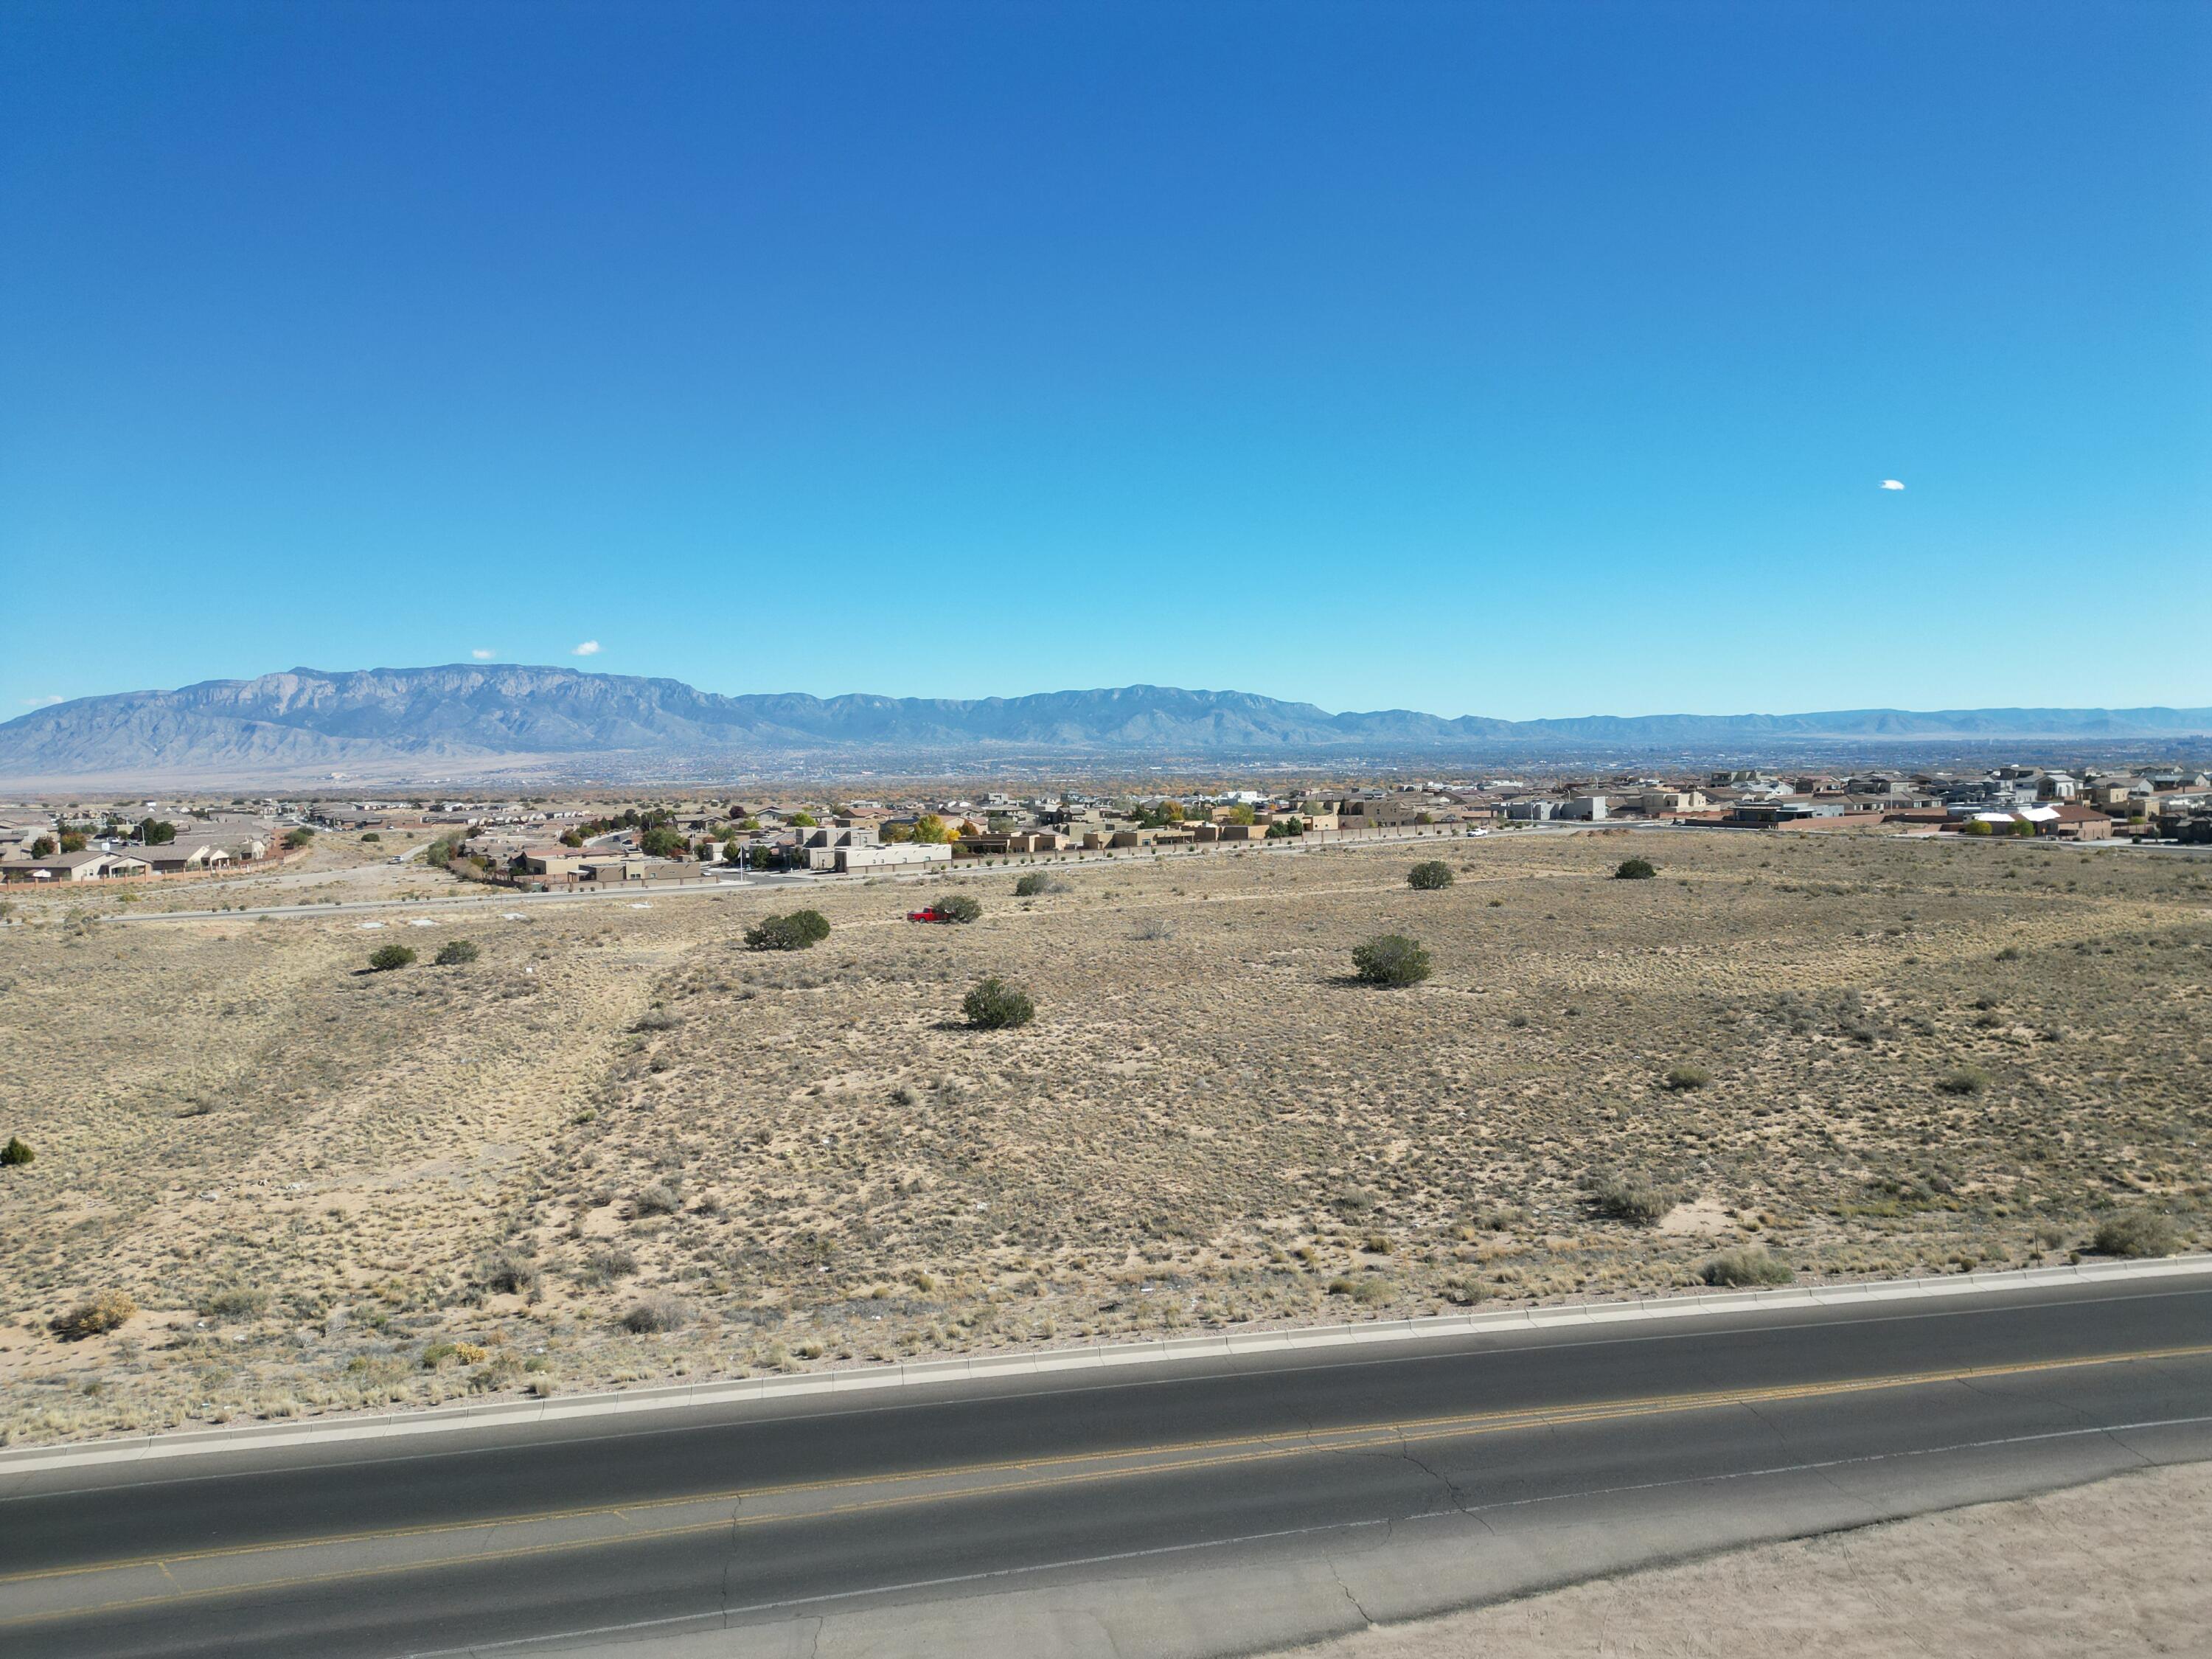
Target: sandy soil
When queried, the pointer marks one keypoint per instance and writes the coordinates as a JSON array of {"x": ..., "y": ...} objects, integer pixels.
[
  {"x": 2116, "y": 1567},
  {"x": 327, "y": 1188}
]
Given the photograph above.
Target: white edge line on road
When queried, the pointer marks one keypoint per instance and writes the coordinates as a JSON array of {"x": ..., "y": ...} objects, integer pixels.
[
  {"x": 719, "y": 1617},
  {"x": 255, "y": 1436}
]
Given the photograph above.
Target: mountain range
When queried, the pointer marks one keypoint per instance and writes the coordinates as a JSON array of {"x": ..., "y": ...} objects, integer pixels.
[{"x": 485, "y": 720}]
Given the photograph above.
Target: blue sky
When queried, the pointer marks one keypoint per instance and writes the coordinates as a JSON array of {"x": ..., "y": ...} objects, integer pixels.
[{"x": 1519, "y": 359}]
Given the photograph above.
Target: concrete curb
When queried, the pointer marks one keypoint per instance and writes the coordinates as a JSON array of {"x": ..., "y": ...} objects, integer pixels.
[{"x": 254, "y": 1436}]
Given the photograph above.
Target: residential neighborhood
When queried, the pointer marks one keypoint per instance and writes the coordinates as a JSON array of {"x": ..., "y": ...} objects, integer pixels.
[{"x": 553, "y": 844}]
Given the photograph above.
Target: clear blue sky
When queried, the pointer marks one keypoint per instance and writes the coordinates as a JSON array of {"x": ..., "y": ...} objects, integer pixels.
[{"x": 1521, "y": 360}]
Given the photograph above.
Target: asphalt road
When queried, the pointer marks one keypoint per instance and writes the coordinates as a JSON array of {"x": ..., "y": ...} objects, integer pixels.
[{"x": 1433, "y": 1475}]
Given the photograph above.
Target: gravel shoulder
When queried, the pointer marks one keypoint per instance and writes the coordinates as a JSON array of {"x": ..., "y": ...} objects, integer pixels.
[{"x": 2116, "y": 1567}]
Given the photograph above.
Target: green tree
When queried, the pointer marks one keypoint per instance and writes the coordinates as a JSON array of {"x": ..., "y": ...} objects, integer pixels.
[
  {"x": 799, "y": 931},
  {"x": 660, "y": 843},
  {"x": 995, "y": 1006},
  {"x": 805, "y": 820},
  {"x": 156, "y": 832},
  {"x": 17, "y": 1152},
  {"x": 385, "y": 957},
  {"x": 959, "y": 907},
  {"x": 1240, "y": 813},
  {"x": 299, "y": 837},
  {"x": 1634, "y": 870},
  {"x": 1390, "y": 959},
  {"x": 570, "y": 838},
  {"x": 73, "y": 840},
  {"x": 930, "y": 828},
  {"x": 1429, "y": 875},
  {"x": 44, "y": 848}
]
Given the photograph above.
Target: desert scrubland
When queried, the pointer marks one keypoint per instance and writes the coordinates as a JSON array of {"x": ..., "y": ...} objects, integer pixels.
[{"x": 618, "y": 1146}]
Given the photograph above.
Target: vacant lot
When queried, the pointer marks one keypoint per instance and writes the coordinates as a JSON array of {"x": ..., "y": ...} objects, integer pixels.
[{"x": 618, "y": 1145}]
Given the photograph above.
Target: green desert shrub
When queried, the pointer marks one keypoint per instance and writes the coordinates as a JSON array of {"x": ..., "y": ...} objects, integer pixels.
[
  {"x": 1428, "y": 876},
  {"x": 455, "y": 951},
  {"x": 801, "y": 929},
  {"x": 17, "y": 1152},
  {"x": 1624, "y": 1197},
  {"x": 1964, "y": 1080},
  {"x": 1390, "y": 959},
  {"x": 1747, "y": 1267},
  {"x": 1037, "y": 882},
  {"x": 385, "y": 957},
  {"x": 1634, "y": 870},
  {"x": 2137, "y": 1233},
  {"x": 658, "y": 1199},
  {"x": 995, "y": 1006},
  {"x": 959, "y": 907},
  {"x": 95, "y": 1317},
  {"x": 1682, "y": 1079}
]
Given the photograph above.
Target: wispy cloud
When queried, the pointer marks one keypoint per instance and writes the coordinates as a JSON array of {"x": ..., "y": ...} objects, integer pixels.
[
  {"x": 483, "y": 655},
  {"x": 588, "y": 648},
  {"x": 46, "y": 701},
  {"x": 1890, "y": 484}
]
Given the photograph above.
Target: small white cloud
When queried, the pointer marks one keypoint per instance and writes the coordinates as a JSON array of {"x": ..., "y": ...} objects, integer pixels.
[
  {"x": 46, "y": 701},
  {"x": 588, "y": 648},
  {"x": 1890, "y": 484},
  {"x": 483, "y": 655}
]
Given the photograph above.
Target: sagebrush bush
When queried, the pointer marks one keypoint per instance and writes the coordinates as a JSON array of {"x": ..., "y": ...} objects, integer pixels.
[
  {"x": 613, "y": 1261},
  {"x": 1964, "y": 1080},
  {"x": 995, "y": 1006},
  {"x": 101, "y": 1314},
  {"x": 1681, "y": 1079},
  {"x": 1037, "y": 882},
  {"x": 801, "y": 929},
  {"x": 1430, "y": 876},
  {"x": 1749, "y": 1266},
  {"x": 1390, "y": 959},
  {"x": 235, "y": 1302},
  {"x": 385, "y": 957},
  {"x": 1366, "y": 1289},
  {"x": 509, "y": 1273},
  {"x": 656, "y": 1314},
  {"x": 1624, "y": 1197},
  {"x": 455, "y": 951},
  {"x": 657, "y": 1199},
  {"x": 2137, "y": 1233},
  {"x": 1634, "y": 870}
]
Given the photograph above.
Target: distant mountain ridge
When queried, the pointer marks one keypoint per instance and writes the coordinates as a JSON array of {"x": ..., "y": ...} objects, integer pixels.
[{"x": 484, "y": 719}]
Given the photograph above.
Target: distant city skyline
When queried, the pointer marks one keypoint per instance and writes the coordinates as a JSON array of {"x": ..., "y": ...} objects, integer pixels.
[{"x": 1515, "y": 361}]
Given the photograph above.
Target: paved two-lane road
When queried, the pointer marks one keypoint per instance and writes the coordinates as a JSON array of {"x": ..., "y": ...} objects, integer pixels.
[{"x": 1184, "y": 1509}]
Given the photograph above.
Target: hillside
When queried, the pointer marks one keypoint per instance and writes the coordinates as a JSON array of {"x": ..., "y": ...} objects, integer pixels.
[{"x": 308, "y": 725}]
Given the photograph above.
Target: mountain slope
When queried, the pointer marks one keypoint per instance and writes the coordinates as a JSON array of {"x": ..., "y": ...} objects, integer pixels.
[{"x": 477, "y": 719}]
